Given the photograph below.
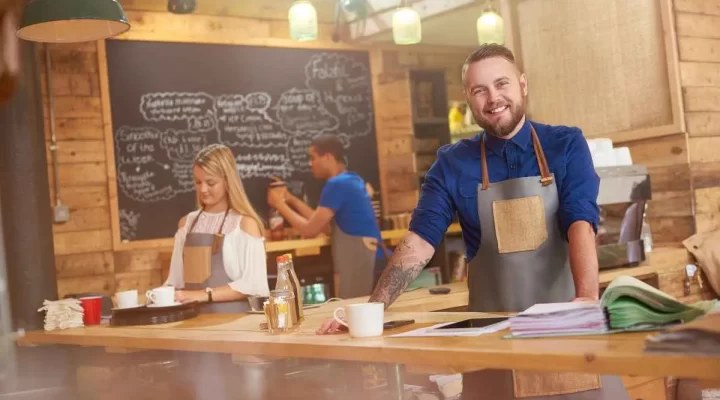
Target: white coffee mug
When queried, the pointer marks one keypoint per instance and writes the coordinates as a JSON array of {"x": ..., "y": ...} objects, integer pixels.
[
  {"x": 127, "y": 299},
  {"x": 363, "y": 320},
  {"x": 162, "y": 296}
]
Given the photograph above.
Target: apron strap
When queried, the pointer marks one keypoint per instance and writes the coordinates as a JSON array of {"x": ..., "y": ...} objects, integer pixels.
[
  {"x": 545, "y": 177},
  {"x": 485, "y": 175},
  {"x": 222, "y": 225}
]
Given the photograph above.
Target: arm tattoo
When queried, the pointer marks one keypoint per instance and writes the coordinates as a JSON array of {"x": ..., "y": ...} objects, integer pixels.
[{"x": 403, "y": 269}]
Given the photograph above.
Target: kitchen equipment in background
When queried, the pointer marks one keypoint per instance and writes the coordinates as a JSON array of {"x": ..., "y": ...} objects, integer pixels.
[
  {"x": 314, "y": 293},
  {"x": 624, "y": 237},
  {"x": 624, "y": 193}
]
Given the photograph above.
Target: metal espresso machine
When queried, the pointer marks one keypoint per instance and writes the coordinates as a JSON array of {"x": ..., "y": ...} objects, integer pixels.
[{"x": 624, "y": 193}]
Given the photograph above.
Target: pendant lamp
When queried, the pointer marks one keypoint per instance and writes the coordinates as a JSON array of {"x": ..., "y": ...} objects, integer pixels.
[
  {"x": 490, "y": 27},
  {"x": 303, "y": 21},
  {"x": 67, "y": 21},
  {"x": 406, "y": 26}
]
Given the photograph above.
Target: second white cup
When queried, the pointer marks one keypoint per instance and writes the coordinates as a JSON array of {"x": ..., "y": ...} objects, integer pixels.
[
  {"x": 362, "y": 320},
  {"x": 162, "y": 296},
  {"x": 127, "y": 299}
]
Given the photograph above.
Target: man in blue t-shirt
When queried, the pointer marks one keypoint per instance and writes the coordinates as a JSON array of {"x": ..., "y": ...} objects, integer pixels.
[{"x": 345, "y": 212}]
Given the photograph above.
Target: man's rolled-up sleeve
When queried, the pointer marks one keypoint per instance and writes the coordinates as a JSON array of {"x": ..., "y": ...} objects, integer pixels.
[
  {"x": 580, "y": 187},
  {"x": 435, "y": 209}
]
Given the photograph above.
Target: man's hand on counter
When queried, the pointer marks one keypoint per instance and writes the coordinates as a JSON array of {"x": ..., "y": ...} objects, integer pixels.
[
  {"x": 410, "y": 257},
  {"x": 331, "y": 326}
]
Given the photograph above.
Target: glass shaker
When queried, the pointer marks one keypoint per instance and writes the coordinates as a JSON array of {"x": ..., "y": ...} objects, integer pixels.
[{"x": 279, "y": 310}]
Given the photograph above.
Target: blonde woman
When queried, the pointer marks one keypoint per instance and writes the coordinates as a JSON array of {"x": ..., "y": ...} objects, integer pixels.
[{"x": 219, "y": 255}]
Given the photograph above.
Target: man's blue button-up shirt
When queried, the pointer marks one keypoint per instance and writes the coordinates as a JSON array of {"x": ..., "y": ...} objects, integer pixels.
[{"x": 452, "y": 182}]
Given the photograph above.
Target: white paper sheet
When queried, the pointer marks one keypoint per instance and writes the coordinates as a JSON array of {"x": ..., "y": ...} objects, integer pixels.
[
  {"x": 551, "y": 308},
  {"x": 432, "y": 331}
]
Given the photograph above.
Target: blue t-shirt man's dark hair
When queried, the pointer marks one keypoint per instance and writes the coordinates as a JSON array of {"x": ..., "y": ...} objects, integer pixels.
[{"x": 329, "y": 144}]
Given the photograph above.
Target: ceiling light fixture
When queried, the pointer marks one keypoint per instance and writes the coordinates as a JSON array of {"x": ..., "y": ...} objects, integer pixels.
[
  {"x": 303, "y": 21},
  {"x": 67, "y": 21},
  {"x": 490, "y": 27},
  {"x": 406, "y": 25}
]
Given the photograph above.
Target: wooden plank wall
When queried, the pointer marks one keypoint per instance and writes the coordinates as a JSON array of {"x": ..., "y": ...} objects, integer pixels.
[
  {"x": 698, "y": 30},
  {"x": 393, "y": 105},
  {"x": 685, "y": 168},
  {"x": 85, "y": 259}
]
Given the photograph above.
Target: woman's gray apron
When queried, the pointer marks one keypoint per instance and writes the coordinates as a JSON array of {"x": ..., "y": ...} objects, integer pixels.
[
  {"x": 523, "y": 260},
  {"x": 353, "y": 262},
  {"x": 203, "y": 267}
]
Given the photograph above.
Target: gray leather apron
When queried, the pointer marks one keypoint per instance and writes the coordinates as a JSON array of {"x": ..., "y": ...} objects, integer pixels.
[
  {"x": 353, "y": 261},
  {"x": 209, "y": 245},
  {"x": 523, "y": 260}
]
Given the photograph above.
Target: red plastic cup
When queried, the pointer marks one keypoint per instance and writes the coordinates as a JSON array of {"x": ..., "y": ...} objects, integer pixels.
[{"x": 92, "y": 307}]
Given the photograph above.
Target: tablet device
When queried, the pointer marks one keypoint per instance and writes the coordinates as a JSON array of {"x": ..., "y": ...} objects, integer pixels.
[{"x": 474, "y": 323}]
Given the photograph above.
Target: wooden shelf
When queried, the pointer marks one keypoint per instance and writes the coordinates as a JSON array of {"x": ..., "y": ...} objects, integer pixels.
[{"x": 290, "y": 245}]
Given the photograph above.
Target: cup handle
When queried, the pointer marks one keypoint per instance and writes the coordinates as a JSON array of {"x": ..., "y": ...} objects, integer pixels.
[
  {"x": 150, "y": 295},
  {"x": 338, "y": 319}
]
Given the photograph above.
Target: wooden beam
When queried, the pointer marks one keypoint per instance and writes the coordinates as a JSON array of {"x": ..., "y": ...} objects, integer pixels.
[
  {"x": 382, "y": 20},
  {"x": 266, "y": 10}
]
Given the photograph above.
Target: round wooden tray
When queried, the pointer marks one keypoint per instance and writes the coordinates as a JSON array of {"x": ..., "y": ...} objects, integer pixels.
[{"x": 153, "y": 315}]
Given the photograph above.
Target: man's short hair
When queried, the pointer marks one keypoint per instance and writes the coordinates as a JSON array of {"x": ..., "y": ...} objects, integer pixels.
[
  {"x": 487, "y": 50},
  {"x": 327, "y": 144}
]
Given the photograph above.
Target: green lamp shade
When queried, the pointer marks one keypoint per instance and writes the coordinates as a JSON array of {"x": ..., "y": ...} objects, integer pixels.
[{"x": 68, "y": 21}]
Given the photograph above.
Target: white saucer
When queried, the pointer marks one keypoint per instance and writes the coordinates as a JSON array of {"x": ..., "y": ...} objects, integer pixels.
[
  {"x": 177, "y": 303},
  {"x": 129, "y": 308}
]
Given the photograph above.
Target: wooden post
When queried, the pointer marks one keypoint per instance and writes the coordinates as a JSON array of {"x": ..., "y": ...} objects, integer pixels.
[{"x": 27, "y": 217}]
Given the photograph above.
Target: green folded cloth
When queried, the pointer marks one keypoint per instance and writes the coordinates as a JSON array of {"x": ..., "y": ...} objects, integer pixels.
[{"x": 632, "y": 303}]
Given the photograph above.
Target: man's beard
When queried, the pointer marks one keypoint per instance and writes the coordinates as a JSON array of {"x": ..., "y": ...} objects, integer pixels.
[{"x": 500, "y": 129}]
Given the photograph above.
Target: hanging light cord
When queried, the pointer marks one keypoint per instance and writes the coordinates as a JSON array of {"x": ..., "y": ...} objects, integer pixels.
[{"x": 51, "y": 109}]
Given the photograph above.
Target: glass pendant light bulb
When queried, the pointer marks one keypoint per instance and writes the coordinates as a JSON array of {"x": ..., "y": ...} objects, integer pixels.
[
  {"x": 406, "y": 26},
  {"x": 490, "y": 28},
  {"x": 303, "y": 21}
]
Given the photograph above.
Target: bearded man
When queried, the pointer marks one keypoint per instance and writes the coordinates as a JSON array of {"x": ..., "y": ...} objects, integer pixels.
[{"x": 526, "y": 196}]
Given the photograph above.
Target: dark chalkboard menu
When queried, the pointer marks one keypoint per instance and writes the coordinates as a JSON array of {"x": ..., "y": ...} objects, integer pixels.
[{"x": 168, "y": 100}]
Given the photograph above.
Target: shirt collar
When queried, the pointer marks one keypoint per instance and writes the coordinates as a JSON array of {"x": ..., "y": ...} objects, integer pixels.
[{"x": 521, "y": 139}]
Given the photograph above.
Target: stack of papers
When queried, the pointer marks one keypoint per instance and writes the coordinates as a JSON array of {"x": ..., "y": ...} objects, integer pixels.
[
  {"x": 559, "y": 319},
  {"x": 631, "y": 302},
  {"x": 628, "y": 304}
]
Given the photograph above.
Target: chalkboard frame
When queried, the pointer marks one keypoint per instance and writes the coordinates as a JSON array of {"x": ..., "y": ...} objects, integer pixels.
[{"x": 117, "y": 243}]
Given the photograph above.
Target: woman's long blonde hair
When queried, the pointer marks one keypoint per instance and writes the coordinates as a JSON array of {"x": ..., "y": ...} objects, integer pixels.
[{"x": 218, "y": 160}]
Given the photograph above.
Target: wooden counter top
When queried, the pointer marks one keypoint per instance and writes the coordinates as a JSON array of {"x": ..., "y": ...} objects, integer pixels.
[
  {"x": 239, "y": 334},
  {"x": 289, "y": 245}
]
